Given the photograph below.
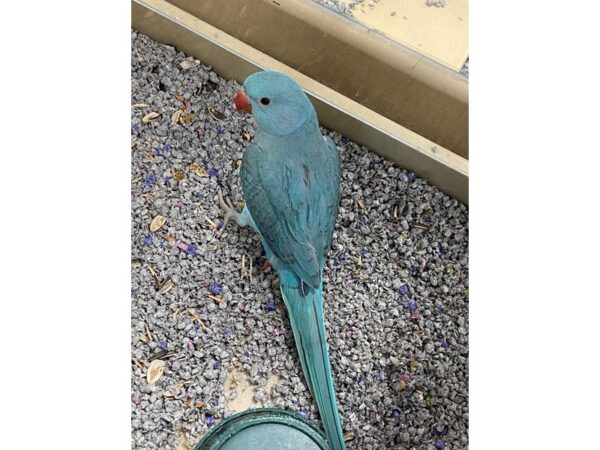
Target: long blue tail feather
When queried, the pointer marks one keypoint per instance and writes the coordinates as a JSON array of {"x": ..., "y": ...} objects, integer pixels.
[{"x": 305, "y": 311}]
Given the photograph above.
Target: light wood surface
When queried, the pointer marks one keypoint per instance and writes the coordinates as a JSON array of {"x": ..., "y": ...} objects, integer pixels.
[{"x": 440, "y": 33}]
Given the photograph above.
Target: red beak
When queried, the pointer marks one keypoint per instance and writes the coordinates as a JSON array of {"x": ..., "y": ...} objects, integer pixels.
[{"x": 242, "y": 102}]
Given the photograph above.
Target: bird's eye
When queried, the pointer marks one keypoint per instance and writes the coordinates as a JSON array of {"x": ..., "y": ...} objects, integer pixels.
[{"x": 265, "y": 101}]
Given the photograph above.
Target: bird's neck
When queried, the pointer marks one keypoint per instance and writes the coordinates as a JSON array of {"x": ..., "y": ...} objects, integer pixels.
[{"x": 309, "y": 130}]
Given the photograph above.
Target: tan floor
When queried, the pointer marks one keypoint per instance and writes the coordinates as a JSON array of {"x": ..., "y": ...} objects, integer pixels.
[{"x": 441, "y": 33}]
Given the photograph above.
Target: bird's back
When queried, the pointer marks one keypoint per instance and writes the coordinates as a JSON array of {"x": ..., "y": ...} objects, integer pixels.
[{"x": 292, "y": 188}]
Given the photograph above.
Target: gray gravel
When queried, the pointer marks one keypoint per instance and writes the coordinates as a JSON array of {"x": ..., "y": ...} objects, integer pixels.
[{"x": 400, "y": 368}]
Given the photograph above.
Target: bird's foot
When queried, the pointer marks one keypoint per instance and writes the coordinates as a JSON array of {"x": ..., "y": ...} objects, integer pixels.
[{"x": 230, "y": 212}]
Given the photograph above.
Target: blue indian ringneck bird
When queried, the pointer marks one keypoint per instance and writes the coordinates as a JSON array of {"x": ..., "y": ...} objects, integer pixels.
[{"x": 290, "y": 178}]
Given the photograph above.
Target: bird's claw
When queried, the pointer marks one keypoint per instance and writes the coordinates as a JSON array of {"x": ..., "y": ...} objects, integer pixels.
[{"x": 230, "y": 212}]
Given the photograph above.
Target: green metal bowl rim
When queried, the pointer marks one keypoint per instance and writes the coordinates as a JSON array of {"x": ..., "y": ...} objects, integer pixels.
[{"x": 264, "y": 415}]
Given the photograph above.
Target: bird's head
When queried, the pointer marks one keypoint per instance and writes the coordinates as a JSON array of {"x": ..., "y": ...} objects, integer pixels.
[{"x": 276, "y": 101}]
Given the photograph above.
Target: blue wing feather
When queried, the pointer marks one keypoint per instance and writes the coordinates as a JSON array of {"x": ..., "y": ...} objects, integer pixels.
[{"x": 294, "y": 203}]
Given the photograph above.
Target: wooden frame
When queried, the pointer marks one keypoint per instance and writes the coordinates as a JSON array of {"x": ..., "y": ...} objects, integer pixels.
[{"x": 365, "y": 66}]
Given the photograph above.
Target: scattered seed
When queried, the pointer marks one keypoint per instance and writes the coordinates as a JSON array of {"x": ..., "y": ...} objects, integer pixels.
[
  {"x": 155, "y": 371},
  {"x": 157, "y": 223},
  {"x": 198, "y": 170},
  {"x": 421, "y": 226},
  {"x": 187, "y": 64},
  {"x": 216, "y": 114},
  {"x": 178, "y": 175},
  {"x": 211, "y": 223},
  {"x": 349, "y": 436},
  {"x": 176, "y": 116},
  {"x": 186, "y": 118},
  {"x": 215, "y": 298},
  {"x": 166, "y": 286},
  {"x": 137, "y": 364},
  {"x": 150, "y": 117}
]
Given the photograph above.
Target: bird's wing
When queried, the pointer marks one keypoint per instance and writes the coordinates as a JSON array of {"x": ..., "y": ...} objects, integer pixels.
[
  {"x": 330, "y": 195},
  {"x": 291, "y": 207}
]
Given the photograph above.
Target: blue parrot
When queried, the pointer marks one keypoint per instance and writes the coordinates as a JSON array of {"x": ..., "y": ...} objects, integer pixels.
[{"x": 290, "y": 178}]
